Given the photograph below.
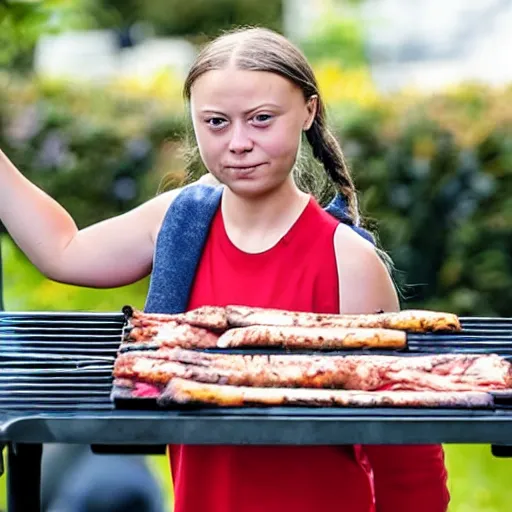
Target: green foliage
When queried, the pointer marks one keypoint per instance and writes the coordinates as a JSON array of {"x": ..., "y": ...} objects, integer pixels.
[
  {"x": 194, "y": 18},
  {"x": 22, "y": 22},
  {"x": 478, "y": 482},
  {"x": 435, "y": 174},
  {"x": 337, "y": 38},
  {"x": 91, "y": 150}
]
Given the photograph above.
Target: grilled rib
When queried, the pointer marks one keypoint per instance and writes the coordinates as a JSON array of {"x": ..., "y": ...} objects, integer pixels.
[
  {"x": 184, "y": 391},
  {"x": 447, "y": 372},
  {"x": 218, "y": 319},
  {"x": 407, "y": 320},
  {"x": 322, "y": 338},
  {"x": 173, "y": 334},
  {"x": 208, "y": 317}
]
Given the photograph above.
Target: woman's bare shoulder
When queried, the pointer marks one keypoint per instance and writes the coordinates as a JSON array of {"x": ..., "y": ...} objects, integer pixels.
[{"x": 364, "y": 279}]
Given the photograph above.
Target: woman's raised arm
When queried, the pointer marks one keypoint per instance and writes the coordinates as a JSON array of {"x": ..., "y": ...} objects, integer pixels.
[{"x": 112, "y": 253}]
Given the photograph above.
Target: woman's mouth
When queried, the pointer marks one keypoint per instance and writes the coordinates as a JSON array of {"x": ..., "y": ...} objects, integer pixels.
[{"x": 243, "y": 171}]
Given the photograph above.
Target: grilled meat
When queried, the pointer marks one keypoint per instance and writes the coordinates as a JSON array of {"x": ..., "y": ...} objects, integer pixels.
[
  {"x": 183, "y": 391},
  {"x": 406, "y": 320},
  {"x": 218, "y": 319},
  {"x": 322, "y": 338},
  {"x": 207, "y": 317},
  {"x": 173, "y": 334},
  {"x": 449, "y": 372}
]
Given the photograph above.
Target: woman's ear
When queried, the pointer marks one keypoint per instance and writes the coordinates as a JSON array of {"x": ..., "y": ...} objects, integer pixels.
[{"x": 311, "y": 107}]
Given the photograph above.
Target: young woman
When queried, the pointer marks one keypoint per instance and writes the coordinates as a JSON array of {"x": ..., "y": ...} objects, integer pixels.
[{"x": 253, "y": 97}]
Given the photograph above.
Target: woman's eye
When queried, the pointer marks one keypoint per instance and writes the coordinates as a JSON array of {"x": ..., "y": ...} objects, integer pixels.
[
  {"x": 216, "y": 122},
  {"x": 262, "y": 118}
]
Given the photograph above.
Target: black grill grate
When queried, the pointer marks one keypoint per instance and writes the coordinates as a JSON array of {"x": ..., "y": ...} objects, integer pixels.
[
  {"x": 63, "y": 361},
  {"x": 57, "y": 361},
  {"x": 478, "y": 336}
]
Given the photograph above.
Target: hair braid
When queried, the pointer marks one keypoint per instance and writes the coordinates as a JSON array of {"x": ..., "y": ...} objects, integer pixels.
[{"x": 327, "y": 151}]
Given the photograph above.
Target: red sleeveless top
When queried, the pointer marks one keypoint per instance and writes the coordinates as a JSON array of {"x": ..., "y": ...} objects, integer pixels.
[{"x": 299, "y": 273}]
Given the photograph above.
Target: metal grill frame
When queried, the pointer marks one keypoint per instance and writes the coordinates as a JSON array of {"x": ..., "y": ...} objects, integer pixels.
[{"x": 109, "y": 430}]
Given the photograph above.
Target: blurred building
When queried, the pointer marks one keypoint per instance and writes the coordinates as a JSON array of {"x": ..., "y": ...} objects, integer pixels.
[
  {"x": 425, "y": 44},
  {"x": 434, "y": 43},
  {"x": 101, "y": 55}
]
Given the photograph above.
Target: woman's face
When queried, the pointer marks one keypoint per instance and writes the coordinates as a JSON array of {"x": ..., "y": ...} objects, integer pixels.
[{"x": 248, "y": 127}]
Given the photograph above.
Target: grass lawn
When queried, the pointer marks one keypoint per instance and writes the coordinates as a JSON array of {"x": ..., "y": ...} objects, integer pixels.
[{"x": 478, "y": 481}]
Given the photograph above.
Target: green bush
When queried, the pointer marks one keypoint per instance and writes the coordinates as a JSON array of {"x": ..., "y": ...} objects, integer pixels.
[
  {"x": 194, "y": 19},
  {"x": 435, "y": 175},
  {"x": 96, "y": 153}
]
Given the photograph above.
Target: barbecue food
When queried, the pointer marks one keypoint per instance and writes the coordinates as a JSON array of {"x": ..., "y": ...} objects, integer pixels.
[
  {"x": 218, "y": 319},
  {"x": 312, "y": 337},
  {"x": 183, "y": 391},
  {"x": 208, "y": 317},
  {"x": 448, "y": 372},
  {"x": 160, "y": 370},
  {"x": 407, "y": 320},
  {"x": 166, "y": 357},
  {"x": 126, "y": 388},
  {"x": 146, "y": 369},
  {"x": 174, "y": 334}
]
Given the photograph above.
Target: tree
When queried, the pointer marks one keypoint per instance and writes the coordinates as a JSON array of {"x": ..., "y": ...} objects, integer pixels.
[{"x": 22, "y": 22}]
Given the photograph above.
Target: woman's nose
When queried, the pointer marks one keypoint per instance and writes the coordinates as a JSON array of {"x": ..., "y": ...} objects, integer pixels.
[{"x": 240, "y": 141}]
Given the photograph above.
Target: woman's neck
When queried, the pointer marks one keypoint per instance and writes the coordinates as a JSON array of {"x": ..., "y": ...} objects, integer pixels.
[{"x": 257, "y": 224}]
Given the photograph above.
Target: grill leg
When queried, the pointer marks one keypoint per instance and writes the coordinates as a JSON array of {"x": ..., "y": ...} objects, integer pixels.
[
  {"x": 501, "y": 450},
  {"x": 24, "y": 477}
]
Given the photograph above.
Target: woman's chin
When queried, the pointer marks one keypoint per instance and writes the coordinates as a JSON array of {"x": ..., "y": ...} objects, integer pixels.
[{"x": 249, "y": 189}]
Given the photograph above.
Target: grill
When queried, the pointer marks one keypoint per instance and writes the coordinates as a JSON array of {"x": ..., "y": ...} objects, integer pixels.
[{"x": 55, "y": 383}]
